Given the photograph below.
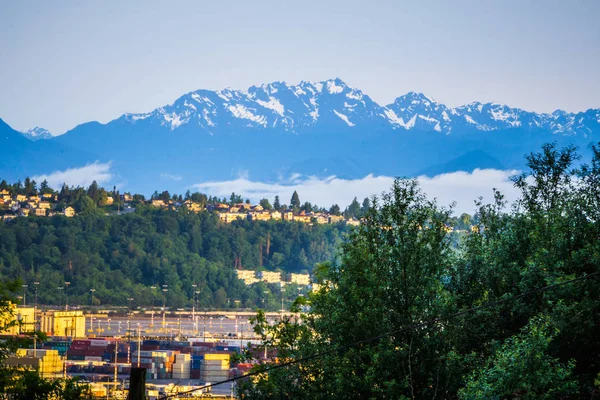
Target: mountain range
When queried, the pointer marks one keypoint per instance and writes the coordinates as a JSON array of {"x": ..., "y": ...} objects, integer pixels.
[{"x": 276, "y": 130}]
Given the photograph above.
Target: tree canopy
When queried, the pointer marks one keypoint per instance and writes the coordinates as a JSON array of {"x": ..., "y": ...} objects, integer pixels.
[{"x": 404, "y": 313}]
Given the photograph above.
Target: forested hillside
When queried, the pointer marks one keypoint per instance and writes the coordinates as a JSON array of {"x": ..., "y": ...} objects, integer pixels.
[{"x": 122, "y": 256}]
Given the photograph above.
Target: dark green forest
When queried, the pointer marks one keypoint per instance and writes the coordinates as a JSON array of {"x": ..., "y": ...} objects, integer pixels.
[
  {"x": 122, "y": 256},
  {"x": 513, "y": 312}
]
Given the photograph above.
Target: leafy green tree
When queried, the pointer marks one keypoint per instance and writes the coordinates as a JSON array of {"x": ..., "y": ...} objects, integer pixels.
[
  {"x": 335, "y": 210},
  {"x": 522, "y": 368},
  {"x": 276, "y": 203},
  {"x": 264, "y": 203}
]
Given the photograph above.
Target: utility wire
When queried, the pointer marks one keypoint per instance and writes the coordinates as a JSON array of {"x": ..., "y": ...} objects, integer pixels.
[{"x": 376, "y": 338}]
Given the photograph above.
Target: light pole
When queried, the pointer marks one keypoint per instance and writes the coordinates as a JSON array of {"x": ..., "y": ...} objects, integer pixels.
[
  {"x": 152, "y": 317},
  {"x": 130, "y": 299},
  {"x": 194, "y": 303},
  {"x": 67, "y": 295},
  {"x": 25, "y": 294},
  {"x": 92, "y": 298},
  {"x": 60, "y": 289},
  {"x": 165, "y": 290}
]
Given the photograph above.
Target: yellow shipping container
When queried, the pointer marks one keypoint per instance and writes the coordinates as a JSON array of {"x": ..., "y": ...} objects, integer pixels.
[{"x": 213, "y": 356}]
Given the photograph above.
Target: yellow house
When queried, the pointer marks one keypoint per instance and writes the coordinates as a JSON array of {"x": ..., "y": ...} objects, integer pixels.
[
  {"x": 44, "y": 204},
  {"x": 322, "y": 219},
  {"x": 109, "y": 200},
  {"x": 275, "y": 215},
  {"x": 300, "y": 279},
  {"x": 302, "y": 218},
  {"x": 40, "y": 212},
  {"x": 69, "y": 212},
  {"x": 24, "y": 212},
  {"x": 47, "y": 195},
  {"x": 270, "y": 277},
  {"x": 287, "y": 215},
  {"x": 21, "y": 197},
  {"x": 248, "y": 276},
  {"x": 334, "y": 219},
  {"x": 8, "y": 217},
  {"x": 4, "y": 192},
  {"x": 353, "y": 222},
  {"x": 158, "y": 203},
  {"x": 259, "y": 216},
  {"x": 63, "y": 323},
  {"x": 229, "y": 217}
]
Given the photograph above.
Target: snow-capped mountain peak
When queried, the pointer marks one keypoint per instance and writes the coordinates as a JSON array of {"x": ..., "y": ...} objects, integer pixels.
[
  {"x": 336, "y": 105},
  {"x": 37, "y": 133}
]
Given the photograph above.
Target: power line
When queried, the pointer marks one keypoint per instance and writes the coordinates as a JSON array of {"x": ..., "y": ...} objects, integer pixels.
[{"x": 376, "y": 338}]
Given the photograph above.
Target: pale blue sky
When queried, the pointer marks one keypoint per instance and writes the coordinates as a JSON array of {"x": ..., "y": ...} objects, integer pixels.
[{"x": 68, "y": 62}]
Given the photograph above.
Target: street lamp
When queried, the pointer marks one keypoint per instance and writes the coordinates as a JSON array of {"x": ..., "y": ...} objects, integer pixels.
[
  {"x": 152, "y": 318},
  {"x": 67, "y": 295},
  {"x": 60, "y": 289},
  {"x": 130, "y": 299},
  {"x": 24, "y": 294},
  {"x": 194, "y": 303},
  {"x": 92, "y": 297},
  {"x": 197, "y": 292},
  {"x": 165, "y": 290}
]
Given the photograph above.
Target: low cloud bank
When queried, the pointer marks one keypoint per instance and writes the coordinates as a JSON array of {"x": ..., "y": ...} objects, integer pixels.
[
  {"x": 82, "y": 176},
  {"x": 462, "y": 188}
]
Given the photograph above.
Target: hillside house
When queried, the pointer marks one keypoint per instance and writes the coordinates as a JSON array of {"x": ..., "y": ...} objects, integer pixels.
[
  {"x": 334, "y": 219},
  {"x": 275, "y": 215},
  {"x": 300, "y": 279},
  {"x": 270, "y": 277},
  {"x": 4, "y": 192},
  {"x": 248, "y": 276},
  {"x": 229, "y": 217},
  {"x": 69, "y": 212},
  {"x": 259, "y": 216},
  {"x": 158, "y": 203},
  {"x": 302, "y": 218},
  {"x": 23, "y": 212},
  {"x": 21, "y": 198},
  {"x": 109, "y": 200},
  {"x": 45, "y": 205},
  {"x": 40, "y": 212}
]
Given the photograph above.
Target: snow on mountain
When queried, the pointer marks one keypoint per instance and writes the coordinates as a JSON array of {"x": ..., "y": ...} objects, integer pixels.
[
  {"x": 37, "y": 133},
  {"x": 333, "y": 104}
]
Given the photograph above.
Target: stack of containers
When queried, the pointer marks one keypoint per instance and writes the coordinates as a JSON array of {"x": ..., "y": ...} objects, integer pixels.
[
  {"x": 197, "y": 361},
  {"x": 78, "y": 349},
  {"x": 49, "y": 361},
  {"x": 182, "y": 366},
  {"x": 215, "y": 367},
  {"x": 122, "y": 350}
]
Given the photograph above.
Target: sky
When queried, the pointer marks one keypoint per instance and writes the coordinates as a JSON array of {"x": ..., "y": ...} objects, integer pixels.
[{"x": 69, "y": 62}]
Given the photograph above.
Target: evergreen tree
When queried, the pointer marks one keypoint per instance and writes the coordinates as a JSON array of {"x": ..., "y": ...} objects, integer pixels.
[
  {"x": 93, "y": 192},
  {"x": 276, "y": 203},
  {"x": 353, "y": 210},
  {"x": 295, "y": 201},
  {"x": 335, "y": 210}
]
